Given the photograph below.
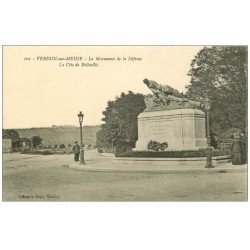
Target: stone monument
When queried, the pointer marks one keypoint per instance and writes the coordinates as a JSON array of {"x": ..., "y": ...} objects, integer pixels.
[{"x": 170, "y": 117}]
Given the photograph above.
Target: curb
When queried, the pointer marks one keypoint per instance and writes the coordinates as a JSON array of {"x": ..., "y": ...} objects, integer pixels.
[
  {"x": 106, "y": 155},
  {"x": 190, "y": 171}
]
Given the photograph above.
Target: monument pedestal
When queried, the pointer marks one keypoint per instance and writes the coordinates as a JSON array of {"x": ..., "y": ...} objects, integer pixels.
[{"x": 182, "y": 129}]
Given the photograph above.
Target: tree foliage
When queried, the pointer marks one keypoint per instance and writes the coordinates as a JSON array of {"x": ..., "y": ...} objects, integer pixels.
[
  {"x": 36, "y": 140},
  {"x": 11, "y": 132},
  {"x": 120, "y": 122},
  {"x": 220, "y": 72}
]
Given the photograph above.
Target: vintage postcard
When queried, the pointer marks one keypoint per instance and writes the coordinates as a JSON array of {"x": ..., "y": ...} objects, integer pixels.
[{"x": 124, "y": 123}]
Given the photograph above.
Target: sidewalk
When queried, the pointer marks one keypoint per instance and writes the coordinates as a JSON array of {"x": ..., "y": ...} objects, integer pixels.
[{"x": 111, "y": 167}]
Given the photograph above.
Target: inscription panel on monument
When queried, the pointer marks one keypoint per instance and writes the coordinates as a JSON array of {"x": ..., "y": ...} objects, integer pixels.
[
  {"x": 177, "y": 128},
  {"x": 200, "y": 128},
  {"x": 156, "y": 130},
  {"x": 188, "y": 128},
  {"x": 163, "y": 130}
]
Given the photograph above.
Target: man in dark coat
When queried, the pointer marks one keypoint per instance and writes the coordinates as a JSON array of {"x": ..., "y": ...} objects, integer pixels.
[
  {"x": 243, "y": 138},
  {"x": 237, "y": 150},
  {"x": 76, "y": 151}
]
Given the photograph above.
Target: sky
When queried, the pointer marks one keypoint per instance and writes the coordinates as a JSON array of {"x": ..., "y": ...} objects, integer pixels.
[{"x": 40, "y": 92}]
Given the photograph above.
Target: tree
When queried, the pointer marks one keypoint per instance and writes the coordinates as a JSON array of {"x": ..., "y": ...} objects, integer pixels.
[
  {"x": 11, "y": 132},
  {"x": 120, "y": 117},
  {"x": 220, "y": 72},
  {"x": 36, "y": 140}
]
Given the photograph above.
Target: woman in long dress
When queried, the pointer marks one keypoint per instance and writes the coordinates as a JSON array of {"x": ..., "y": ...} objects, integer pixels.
[{"x": 237, "y": 150}]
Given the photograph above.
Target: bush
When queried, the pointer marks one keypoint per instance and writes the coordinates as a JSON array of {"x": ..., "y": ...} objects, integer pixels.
[
  {"x": 225, "y": 148},
  {"x": 42, "y": 152},
  {"x": 228, "y": 134},
  {"x": 170, "y": 154},
  {"x": 164, "y": 145},
  {"x": 26, "y": 150},
  {"x": 62, "y": 146},
  {"x": 156, "y": 146},
  {"x": 47, "y": 152}
]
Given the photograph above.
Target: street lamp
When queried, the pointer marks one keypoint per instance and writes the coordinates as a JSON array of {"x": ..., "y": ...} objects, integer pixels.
[
  {"x": 80, "y": 117},
  {"x": 207, "y": 106}
]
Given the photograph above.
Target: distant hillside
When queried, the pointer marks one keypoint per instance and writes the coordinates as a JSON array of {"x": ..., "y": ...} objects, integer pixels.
[{"x": 61, "y": 134}]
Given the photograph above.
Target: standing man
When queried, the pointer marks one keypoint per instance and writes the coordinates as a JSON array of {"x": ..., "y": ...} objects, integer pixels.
[
  {"x": 76, "y": 151},
  {"x": 243, "y": 138}
]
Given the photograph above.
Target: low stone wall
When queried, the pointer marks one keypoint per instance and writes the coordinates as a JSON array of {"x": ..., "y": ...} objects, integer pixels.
[{"x": 196, "y": 161}]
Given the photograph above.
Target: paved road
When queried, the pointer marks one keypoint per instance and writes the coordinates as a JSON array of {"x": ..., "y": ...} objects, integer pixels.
[{"x": 48, "y": 178}]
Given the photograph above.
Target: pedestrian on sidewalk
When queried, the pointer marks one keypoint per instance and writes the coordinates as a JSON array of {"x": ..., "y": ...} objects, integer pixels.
[
  {"x": 76, "y": 151},
  {"x": 243, "y": 138},
  {"x": 237, "y": 150}
]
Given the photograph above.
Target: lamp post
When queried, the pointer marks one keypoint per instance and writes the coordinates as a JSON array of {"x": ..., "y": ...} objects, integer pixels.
[
  {"x": 80, "y": 117},
  {"x": 209, "y": 163}
]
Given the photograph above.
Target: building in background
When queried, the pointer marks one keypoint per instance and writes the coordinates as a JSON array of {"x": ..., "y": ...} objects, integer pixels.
[{"x": 12, "y": 142}]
